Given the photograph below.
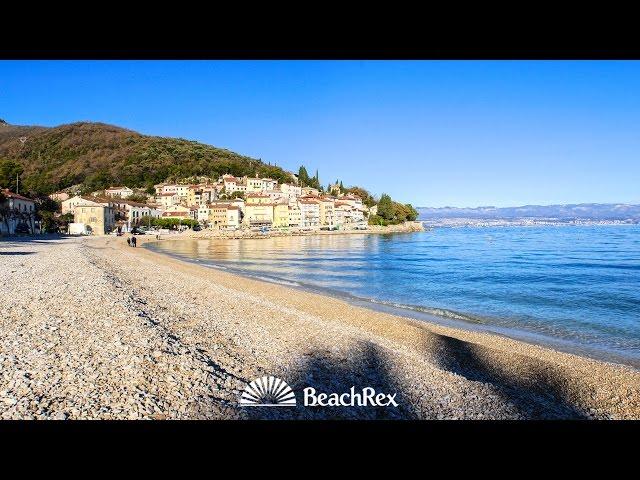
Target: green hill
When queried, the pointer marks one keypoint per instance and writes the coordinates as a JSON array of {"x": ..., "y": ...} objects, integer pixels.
[{"x": 97, "y": 155}]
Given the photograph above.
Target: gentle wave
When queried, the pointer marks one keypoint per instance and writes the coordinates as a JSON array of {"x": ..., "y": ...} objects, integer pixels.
[{"x": 578, "y": 284}]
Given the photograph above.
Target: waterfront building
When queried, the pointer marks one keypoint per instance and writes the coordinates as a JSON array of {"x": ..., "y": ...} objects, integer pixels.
[
  {"x": 224, "y": 216},
  {"x": 294, "y": 215},
  {"x": 204, "y": 211},
  {"x": 19, "y": 214},
  {"x": 309, "y": 214},
  {"x": 326, "y": 212},
  {"x": 134, "y": 211},
  {"x": 69, "y": 205},
  {"x": 281, "y": 215},
  {"x": 94, "y": 219},
  {"x": 258, "y": 214}
]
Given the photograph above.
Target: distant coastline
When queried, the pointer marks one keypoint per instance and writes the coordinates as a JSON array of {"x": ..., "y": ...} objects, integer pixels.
[
  {"x": 520, "y": 222},
  {"x": 532, "y": 215}
]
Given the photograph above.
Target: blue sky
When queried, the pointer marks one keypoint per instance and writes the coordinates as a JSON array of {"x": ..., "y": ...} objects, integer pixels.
[{"x": 432, "y": 133}]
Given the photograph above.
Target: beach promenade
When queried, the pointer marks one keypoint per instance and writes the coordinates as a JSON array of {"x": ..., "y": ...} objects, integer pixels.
[{"x": 93, "y": 329}]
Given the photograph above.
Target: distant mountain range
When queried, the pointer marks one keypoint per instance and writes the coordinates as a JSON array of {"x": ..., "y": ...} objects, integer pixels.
[{"x": 561, "y": 213}]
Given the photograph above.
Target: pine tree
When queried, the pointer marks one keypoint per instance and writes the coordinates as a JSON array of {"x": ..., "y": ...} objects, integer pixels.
[{"x": 303, "y": 177}]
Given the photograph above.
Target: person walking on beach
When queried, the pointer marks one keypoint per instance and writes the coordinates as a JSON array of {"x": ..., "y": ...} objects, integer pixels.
[
  {"x": 134, "y": 241},
  {"x": 129, "y": 241}
]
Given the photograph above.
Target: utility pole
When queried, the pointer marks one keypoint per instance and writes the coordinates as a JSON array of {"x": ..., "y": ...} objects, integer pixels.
[{"x": 17, "y": 183}]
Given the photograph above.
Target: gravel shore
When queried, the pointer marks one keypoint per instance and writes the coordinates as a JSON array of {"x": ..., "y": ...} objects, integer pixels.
[{"x": 93, "y": 329}]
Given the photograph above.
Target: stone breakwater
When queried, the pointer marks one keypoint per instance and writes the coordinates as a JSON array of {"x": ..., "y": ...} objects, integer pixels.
[
  {"x": 405, "y": 227},
  {"x": 91, "y": 328}
]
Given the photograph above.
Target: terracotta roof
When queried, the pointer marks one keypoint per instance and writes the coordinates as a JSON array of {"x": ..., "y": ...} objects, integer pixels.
[
  {"x": 9, "y": 194},
  {"x": 175, "y": 214}
]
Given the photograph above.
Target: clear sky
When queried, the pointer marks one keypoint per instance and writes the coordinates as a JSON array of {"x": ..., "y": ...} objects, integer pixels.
[{"x": 432, "y": 133}]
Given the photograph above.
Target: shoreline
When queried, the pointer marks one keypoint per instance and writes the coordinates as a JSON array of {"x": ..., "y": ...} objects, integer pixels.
[
  {"x": 460, "y": 329},
  {"x": 406, "y": 227},
  {"x": 137, "y": 334},
  {"x": 598, "y": 353}
]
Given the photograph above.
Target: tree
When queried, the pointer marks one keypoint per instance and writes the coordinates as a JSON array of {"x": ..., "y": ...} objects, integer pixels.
[
  {"x": 9, "y": 172},
  {"x": 303, "y": 177},
  {"x": 385, "y": 207}
]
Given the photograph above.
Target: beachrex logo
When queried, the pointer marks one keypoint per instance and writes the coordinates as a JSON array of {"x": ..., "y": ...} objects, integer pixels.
[
  {"x": 270, "y": 391},
  {"x": 367, "y": 398}
]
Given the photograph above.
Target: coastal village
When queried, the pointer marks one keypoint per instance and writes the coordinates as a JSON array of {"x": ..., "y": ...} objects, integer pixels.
[{"x": 228, "y": 204}]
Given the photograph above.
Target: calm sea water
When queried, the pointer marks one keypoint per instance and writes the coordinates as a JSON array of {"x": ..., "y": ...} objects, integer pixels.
[{"x": 575, "y": 287}]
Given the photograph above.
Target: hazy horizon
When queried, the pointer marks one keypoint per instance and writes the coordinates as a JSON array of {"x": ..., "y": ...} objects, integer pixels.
[
  {"x": 430, "y": 133},
  {"x": 529, "y": 205}
]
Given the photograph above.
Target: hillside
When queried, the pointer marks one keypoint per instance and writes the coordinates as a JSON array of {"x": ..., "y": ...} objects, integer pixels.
[{"x": 98, "y": 155}]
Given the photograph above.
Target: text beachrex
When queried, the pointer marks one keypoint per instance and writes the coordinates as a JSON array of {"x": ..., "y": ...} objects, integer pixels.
[{"x": 270, "y": 391}]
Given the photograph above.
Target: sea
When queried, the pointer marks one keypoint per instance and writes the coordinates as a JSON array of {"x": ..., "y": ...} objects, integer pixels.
[{"x": 573, "y": 288}]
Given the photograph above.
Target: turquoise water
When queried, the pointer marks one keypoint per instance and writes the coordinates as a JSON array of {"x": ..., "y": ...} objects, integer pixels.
[{"x": 575, "y": 286}]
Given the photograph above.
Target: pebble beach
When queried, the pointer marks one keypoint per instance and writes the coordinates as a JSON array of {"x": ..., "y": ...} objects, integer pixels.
[{"x": 94, "y": 329}]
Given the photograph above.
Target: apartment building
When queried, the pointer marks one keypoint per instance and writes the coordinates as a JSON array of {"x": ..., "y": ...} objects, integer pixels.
[
  {"x": 309, "y": 214},
  {"x": 294, "y": 215},
  {"x": 168, "y": 199},
  {"x": 93, "y": 219},
  {"x": 258, "y": 214},
  {"x": 224, "y": 216},
  {"x": 326, "y": 212},
  {"x": 291, "y": 191},
  {"x": 257, "y": 198},
  {"x": 280, "y": 215}
]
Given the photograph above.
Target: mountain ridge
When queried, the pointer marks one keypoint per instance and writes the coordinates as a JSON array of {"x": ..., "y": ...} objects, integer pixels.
[
  {"x": 97, "y": 155},
  {"x": 569, "y": 211}
]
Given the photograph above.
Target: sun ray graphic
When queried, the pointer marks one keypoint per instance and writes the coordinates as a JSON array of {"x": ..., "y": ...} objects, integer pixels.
[{"x": 268, "y": 391}]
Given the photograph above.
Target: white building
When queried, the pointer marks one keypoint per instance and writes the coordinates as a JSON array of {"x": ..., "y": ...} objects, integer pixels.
[
  {"x": 17, "y": 212},
  {"x": 291, "y": 191},
  {"x": 136, "y": 211},
  {"x": 166, "y": 200},
  {"x": 122, "y": 192},
  {"x": 309, "y": 214},
  {"x": 203, "y": 213},
  {"x": 295, "y": 219}
]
